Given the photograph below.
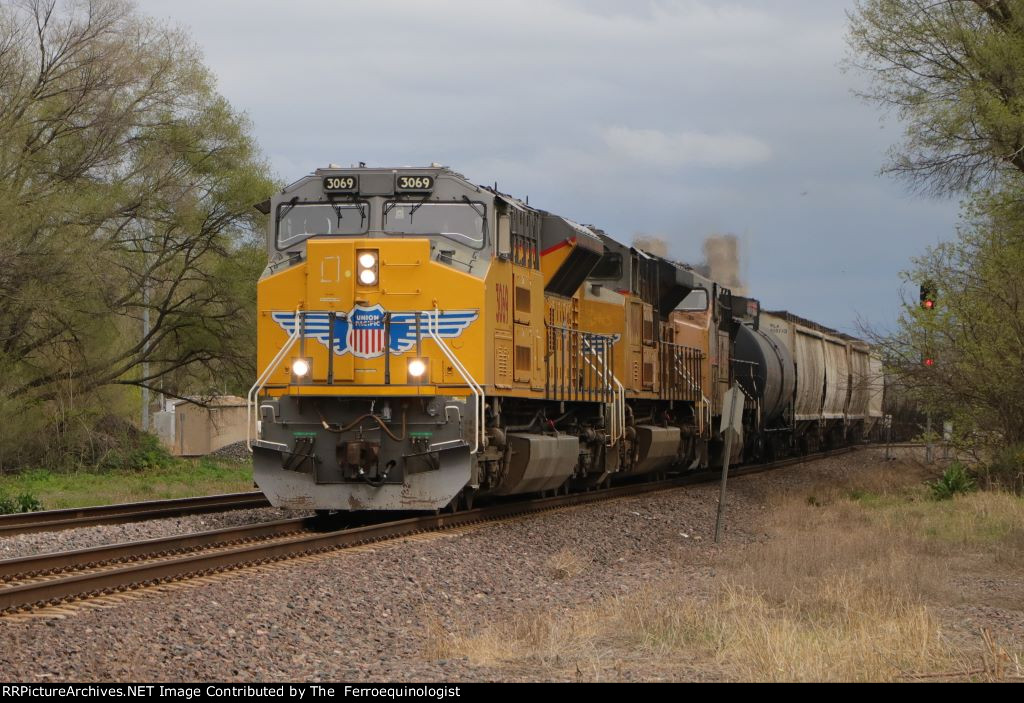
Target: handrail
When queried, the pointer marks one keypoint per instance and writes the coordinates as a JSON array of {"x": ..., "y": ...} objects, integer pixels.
[
  {"x": 703, "y": 402},
  {"x": 589, "y": 356},
  {"x": 618, "y": 411},
  {"x": 265, "y": 376},
  {"x": 618, "y": 418},
  {"x": 433, "y": 329},
  {"x": 685, "y": 373}
]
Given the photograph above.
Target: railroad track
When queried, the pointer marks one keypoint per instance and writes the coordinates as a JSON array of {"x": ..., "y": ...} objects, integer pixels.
[
  {"x": 51, "y": 520},
  {"x": 28, "y": 583}
]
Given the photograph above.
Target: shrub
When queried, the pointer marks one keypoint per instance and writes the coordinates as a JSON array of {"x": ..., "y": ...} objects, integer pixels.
[
  {"x": 24, "y": 503},
  {"x": 137, "y": 453},
  {"x": 955, "y": 479},
  {"x": 1005, "y": 470}
]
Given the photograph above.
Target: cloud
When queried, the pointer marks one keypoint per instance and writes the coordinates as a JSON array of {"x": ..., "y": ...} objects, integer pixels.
[
  {"x": 674, "y": 149},
  {"x": 682, "y": 117}
]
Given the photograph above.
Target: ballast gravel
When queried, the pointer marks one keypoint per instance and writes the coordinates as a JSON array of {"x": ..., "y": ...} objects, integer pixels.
[{"x": 364, "y": 615}]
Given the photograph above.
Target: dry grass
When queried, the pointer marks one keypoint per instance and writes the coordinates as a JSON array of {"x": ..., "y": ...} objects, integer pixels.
[
  {"x": 844, "y": 589},
  {"x": 832, "y": 633},
  {"x": 565, "y": 564}
]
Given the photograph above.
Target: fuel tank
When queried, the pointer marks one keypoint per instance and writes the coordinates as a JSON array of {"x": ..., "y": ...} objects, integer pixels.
[{"x": 773, "y": 379}]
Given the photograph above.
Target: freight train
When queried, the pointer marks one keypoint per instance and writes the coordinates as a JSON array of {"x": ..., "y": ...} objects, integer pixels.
[{"x": 424, "y": 341}]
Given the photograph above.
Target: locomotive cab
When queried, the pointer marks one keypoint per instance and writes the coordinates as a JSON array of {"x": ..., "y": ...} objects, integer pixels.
[{"x": 369, "y": 336}]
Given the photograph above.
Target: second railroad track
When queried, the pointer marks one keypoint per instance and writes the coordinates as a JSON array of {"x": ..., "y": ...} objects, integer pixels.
[{"x": 51, "y": 520}]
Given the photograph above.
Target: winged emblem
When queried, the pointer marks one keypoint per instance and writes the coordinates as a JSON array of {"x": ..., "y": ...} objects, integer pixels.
[{"x": 361, "y": 332}]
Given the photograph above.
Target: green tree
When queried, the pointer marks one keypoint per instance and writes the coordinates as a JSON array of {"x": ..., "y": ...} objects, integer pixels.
[
  {"x": 975, "y": 333},
  {"x": 127, "y": 184},
  {"x": 953, "y": 72}
]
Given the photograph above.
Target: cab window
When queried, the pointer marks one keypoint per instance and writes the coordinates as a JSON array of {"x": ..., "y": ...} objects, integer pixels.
[
  {"x": 299, "y": 221},
  {"x": 460, "y": 222},
  {"x": 695, "y": 301}
]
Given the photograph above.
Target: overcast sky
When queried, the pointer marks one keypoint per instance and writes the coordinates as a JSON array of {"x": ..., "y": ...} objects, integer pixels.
[{"x": 677, "y": 119}]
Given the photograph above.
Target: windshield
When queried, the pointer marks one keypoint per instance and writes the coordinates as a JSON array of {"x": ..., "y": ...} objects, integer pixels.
[
  {"x": 302, "y": 220},
  {"x": 695, "y": 301},
  {"x": 462, "y": 222}
]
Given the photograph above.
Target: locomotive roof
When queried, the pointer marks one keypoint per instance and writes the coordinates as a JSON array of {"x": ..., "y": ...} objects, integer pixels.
[{"x": 686, "y": 273}]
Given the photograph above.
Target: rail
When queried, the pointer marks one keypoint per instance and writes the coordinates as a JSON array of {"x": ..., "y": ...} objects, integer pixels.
[
  {"x": 681, "y": 380},
  {"x": 680, "y": 372},
  {"x": 579, "y": 366},
  {"x": 748, "y": 370},
  {"x": 261, "y": 381},
  {"x": 480, "y": 431},
  {"x": 70, "y": 518}
]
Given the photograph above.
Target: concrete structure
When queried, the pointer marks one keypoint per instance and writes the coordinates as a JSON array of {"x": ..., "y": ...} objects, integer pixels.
[{"x": 190, "y": 429}]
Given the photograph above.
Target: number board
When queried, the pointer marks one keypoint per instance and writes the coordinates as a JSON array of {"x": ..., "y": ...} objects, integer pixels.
[
  {"x": 341, "y": 184},
  {"x": 414, "y": 183}
]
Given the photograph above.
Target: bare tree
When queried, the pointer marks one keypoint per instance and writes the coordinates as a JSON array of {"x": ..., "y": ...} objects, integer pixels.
[{"x": 953, "y": 72}]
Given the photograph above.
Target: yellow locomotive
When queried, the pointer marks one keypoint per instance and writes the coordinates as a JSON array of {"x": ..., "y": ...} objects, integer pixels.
[{"x": 424, "y": 340}]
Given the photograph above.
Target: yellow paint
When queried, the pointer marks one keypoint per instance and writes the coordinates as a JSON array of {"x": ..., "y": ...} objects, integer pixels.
[
  {"x": 506, "y": 349},
  {"x": 407, "y": 281}
]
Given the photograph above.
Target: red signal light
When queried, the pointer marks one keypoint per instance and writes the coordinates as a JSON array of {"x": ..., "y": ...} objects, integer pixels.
[
  {"x": 927, "y": 295},
  {"x": 929, "y": 362}
]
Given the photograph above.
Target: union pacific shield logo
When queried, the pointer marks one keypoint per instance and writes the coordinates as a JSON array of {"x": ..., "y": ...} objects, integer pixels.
[
  {"x": 362, "y": 331},
  {"x": 366, "y": 331}
]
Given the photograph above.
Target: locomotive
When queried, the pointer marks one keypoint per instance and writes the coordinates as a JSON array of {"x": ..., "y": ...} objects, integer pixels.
[{"x": 424, "y": 341}]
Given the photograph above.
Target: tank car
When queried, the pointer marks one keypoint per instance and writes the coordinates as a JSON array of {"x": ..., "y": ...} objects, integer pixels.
[
  {"x": 816, "y": 387},
  {"x": 424, "y": 341}
]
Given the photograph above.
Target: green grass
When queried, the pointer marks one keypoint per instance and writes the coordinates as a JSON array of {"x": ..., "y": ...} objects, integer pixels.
[{"x": 178, "y": 478}]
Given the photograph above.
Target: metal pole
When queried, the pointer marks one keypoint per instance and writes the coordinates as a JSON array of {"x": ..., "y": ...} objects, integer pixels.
[
  {"x": 145, "y": 345},
  {"x": 145, "y": 357},
  {"x": 928, "y": 438},
  {"x": 887, "y": 432},
  {"x": 726, "y": 457}
]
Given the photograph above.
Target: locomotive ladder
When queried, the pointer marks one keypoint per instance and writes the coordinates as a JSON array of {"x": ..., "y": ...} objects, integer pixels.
[
  {"x": 254, "y": 392},
  {"x": 682, "y": 372},
  {"x": 617, "y": 422},
  {"x": 579, "y": 367},
  {"x": 704, "y": 405},
  {"x": 480, "y": 433}
]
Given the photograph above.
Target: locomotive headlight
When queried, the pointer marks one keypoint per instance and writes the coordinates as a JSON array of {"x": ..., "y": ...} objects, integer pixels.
[
  {"x": 417, "y": 367},
  {"x": 300, "y": 368},
  {"x": 367, "y": 260}
]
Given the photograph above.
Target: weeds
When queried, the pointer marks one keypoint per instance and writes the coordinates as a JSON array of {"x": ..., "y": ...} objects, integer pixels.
[
  {"x": 954, "y": 480},
  {"x": 146, "y": 452},
  {"x": 565, "y": 564},
  {"x": 1005, "y": 470},
  {"x": 22, "y": 503}
]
